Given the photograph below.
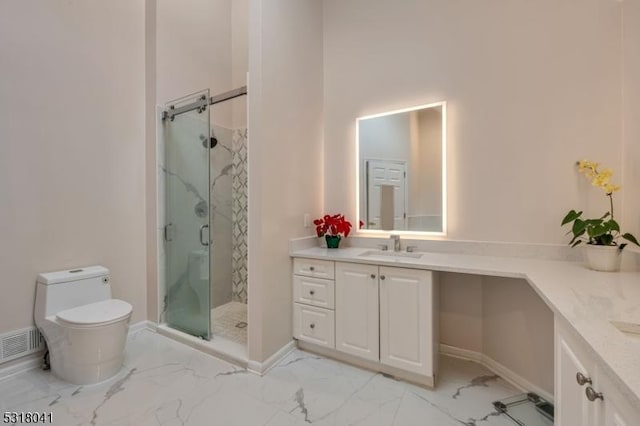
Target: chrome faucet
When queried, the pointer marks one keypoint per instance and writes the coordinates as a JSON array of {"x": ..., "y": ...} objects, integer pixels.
[{"x": 396, "y": 241}]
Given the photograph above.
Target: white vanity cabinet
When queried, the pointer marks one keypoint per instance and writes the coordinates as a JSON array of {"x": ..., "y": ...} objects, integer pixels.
[
  {"x": 313, "y": 296},
  {"x": 357, "y": 312},
  {"x": 386, "y": 314},
  {"x": 384, "y": 318},
  {"x": 584, "y": 395}
]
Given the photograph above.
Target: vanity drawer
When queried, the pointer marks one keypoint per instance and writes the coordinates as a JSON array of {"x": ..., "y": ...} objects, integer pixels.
[
  {"x": 314, "y": 268},
  {"x": 314, "y": 291},
  {"x": 314, "y": 325}
]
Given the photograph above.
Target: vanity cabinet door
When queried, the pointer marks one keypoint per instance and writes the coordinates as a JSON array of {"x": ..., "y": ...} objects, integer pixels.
[
  {"x": 617, "y": 410},
  {"x": 406, "y": 319},
  {"x": 356, "y": 292},
  {"x": 572, "y": 406}
]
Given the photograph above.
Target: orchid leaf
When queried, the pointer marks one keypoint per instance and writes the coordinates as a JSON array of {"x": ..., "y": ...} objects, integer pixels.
[
  {"x": 576, "y": 236},
  {"x": 613, "y": 225},
  {"x": 606, "y": 239},
  {"x": 630, "y": 238},
  {"x": 598, "y": 231},
  {"x": 570, "y": 217},
  {"x": 578, "y": 226}
]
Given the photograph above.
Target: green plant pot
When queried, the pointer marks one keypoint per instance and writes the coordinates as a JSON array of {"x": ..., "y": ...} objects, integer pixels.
[{"x": 333, "y": 241}]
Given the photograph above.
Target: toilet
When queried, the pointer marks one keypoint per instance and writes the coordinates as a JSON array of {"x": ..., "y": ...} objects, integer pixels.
[{"x": 85, "y": 329}]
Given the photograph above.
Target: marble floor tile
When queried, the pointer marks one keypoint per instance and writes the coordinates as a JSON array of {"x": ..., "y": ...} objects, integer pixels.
[{"x": 166, "y": 383}]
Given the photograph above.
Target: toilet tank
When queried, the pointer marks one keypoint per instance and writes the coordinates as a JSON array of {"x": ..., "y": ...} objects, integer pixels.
[{"x": 57, "y": 291}]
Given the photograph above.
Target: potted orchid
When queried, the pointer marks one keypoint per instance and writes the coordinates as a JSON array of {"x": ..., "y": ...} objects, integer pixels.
[
  {"x": 332, "y": 228},
  {"x": 601, "y": 235}
]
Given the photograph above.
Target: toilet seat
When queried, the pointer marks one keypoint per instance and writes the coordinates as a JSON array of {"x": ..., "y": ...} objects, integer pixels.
[{"x": 96, "y": 314}]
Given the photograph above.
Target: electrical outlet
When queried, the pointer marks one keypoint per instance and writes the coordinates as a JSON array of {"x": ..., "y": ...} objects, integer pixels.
[{"x": 307, "y": 220}]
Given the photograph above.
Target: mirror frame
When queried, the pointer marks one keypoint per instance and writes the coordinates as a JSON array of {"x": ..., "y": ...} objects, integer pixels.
[{"x": 383, "y": 233}]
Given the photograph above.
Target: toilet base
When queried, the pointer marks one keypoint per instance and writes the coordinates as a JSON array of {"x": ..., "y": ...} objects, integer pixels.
[{"x": 86, "y": 355}]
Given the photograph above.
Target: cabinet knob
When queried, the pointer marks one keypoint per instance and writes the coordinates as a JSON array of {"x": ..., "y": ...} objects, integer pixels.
[
  {"x": 582, "y": 379},
  {"x": 311, "y": 268},
  {"x": 382, "y": 277},
  {"x": 592, "y": 395},
  {"x": 373, "y": 276},
  {"x": 312, "y": 325},
  {"x": 312, "y": 292}
]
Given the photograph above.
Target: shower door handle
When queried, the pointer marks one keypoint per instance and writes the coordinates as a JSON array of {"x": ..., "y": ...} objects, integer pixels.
[
  {"x": 202, "y": 241},
  {"x": 168, "y": 232}
]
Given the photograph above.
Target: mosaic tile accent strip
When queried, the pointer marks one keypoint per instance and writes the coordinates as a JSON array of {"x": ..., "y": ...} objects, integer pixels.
[{"x": 239, "y": 216}]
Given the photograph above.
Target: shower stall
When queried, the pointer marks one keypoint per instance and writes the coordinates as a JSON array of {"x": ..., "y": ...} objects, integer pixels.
[{"x": 204, "y": 226}]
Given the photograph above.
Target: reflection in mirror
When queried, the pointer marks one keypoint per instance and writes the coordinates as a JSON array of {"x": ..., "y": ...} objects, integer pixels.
[{"x": 401, "y": 170}]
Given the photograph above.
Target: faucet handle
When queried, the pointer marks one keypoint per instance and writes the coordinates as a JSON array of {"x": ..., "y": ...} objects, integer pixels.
[
  {"x": 382, "y": 247},
  {"x": 410, "y": 249}
]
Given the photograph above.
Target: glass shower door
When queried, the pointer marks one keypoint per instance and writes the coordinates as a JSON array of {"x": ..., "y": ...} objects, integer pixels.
[{"x": 186, "y": 233}]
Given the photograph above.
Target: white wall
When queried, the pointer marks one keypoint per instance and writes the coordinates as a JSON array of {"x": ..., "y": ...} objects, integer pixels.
[
  {"x": 631, "y": 117},
  {"x": 426, "y": 164},
  {"x": 194, "y": 50},
  {"x": 385, "y": 138},
  {"x": 285, "y": 156},
  {"x": 239, "y": 58},
  {"x": 501, "y": 318},
  {"x": 72, "y": 151},
  {"x": 517, "y": 329},
  {"x": 531, "y": 87}
]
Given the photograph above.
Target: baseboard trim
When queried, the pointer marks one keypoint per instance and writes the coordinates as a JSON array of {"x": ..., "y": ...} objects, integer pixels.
[
  {"x": 509, "y": 375},
  {"x": 375, "y": 366},
  {"x": 143, "y": 325},
  {"x": 20, "y": 365},
  {"x": 263, "y": 368}
]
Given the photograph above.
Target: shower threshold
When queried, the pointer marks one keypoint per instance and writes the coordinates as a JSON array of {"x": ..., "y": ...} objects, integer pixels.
[{"x": 220, "y": 347}]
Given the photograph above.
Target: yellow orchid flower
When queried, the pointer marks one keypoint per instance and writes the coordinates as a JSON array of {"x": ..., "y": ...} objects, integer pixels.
[
  {"x": 601, "y": 179},
  {"x": 610, "y": 188}
]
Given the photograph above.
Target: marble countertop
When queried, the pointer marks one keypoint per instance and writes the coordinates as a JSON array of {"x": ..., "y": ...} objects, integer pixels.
[{"x": 585, "y": 299}]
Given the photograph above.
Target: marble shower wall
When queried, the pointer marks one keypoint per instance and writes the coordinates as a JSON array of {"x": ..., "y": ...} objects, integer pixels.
[
  {"x": 221, "y": 221},
  {"x": 229, "y": 216},
  {"x": 239, "y": 216}
]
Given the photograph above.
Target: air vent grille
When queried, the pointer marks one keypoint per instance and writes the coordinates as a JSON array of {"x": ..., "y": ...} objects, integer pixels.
[{"x": 20, "y": 343}]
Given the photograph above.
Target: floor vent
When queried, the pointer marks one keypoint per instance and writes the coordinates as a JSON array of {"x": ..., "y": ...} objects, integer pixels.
[{"x": 20, "y": 343}]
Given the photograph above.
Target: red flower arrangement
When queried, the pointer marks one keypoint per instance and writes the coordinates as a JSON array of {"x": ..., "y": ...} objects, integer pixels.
[{"x": 332, "y": 225}]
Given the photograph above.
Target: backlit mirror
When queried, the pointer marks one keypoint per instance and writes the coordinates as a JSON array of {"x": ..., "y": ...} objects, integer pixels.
[{"x": 401, "y": 170}]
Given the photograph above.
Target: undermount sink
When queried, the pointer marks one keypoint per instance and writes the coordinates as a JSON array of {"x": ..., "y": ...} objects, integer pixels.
[
  {"x": 391, "y": 254},
  {"x": 629, "y": 329}
]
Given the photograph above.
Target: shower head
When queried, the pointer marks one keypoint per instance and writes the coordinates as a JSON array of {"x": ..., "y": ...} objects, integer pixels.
[{"x": 208, "y": 142}]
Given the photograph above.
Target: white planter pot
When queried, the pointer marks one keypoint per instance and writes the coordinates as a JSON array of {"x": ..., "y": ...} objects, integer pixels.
[{"x": 603, "y": 258}]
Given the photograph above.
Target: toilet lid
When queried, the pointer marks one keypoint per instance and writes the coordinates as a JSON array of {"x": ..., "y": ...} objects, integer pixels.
[{"x": 96, "y": 313}]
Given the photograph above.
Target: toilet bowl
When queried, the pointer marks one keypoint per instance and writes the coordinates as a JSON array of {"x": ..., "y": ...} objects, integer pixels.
[{"x": 85, "y": 329}]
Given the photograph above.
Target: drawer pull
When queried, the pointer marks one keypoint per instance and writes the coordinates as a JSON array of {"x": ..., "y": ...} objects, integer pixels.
[
  {"x": 582, "y": 379},
  {"x": 312, "y": 292},
  {"x": 311, "y": 268},
  {"x": 382, "y": 277},
  {"x": 373, "y": 276},
  {"x": 312, "y": 325},
  {"x": 592, "y": 395}
]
